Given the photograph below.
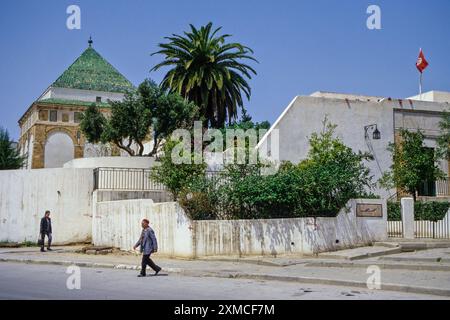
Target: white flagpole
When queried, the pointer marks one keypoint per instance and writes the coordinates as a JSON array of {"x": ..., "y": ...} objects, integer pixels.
[{"x": 420, "y": 86}]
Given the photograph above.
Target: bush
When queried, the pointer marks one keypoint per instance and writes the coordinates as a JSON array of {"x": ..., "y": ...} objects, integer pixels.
[
  {"x": 394, "y": 211},
  {"x": 199, "y": 198},
  {"x": 431, "y": 210},
  {"x": 319, "y": 186},
  {"x": 176, "y": 177}
]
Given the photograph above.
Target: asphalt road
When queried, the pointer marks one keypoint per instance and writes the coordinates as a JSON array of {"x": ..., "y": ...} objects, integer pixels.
[{"x": 31, "y": 281}]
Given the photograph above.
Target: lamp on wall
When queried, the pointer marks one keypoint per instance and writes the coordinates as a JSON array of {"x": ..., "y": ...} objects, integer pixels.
[{"x": 376, "y": 134}]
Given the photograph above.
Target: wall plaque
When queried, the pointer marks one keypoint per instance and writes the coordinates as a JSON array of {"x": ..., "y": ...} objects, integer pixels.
[{"x": 369, "y": 210}]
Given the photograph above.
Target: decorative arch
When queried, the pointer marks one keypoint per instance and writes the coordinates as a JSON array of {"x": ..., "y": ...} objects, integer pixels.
[
  {"x": 63, "y": 130},
  {"x": 59, "y": 148}
]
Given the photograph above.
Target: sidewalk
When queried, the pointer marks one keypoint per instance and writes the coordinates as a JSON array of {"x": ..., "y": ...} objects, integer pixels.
[{"x": 430, "y": 279}]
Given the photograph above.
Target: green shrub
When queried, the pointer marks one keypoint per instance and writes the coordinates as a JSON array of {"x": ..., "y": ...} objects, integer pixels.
[
  {"x": 394, "y": 211},
  {"x": 430, "y": 210},
  {"x": 176, "y": 177},
  {"x": 198, "y": 199},
  {"x": 321, "y": 185}
]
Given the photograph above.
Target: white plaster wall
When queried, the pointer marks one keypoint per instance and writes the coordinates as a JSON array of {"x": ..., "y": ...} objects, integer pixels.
[
  {"x": 289, "y": 236},
  {"x": 118, "y": 224},
  {"x": 305, "y": 114},
  {"x": 59, "y": 149},
  {"x": 26, "y": 194},
  {"x": 112, "y": 162}
]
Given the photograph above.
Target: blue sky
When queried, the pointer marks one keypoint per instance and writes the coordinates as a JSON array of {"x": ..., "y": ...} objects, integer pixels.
[{"x": 302, "y": 46}]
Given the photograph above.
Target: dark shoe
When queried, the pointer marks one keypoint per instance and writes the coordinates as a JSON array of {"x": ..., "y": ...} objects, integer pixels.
[
  {"x": 48, "y": 249},
  {"x": 141, "y": 275},
  {"x": 42, "y": 250},
  {"x": 157, "y": 271}
]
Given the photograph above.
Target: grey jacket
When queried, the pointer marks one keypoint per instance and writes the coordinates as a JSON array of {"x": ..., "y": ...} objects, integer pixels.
[{"x": 147, "y": 241}]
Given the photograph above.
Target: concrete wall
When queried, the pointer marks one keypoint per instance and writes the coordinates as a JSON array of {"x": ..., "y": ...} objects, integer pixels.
[
  {"x": 112, "y": 162},
  {"x": 117, "y": 223},
  {"x": 26, "y": 194},
  {"x": 289, "y": 236}
]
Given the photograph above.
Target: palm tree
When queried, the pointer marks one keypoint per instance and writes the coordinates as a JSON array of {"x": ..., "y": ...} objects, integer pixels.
[
  {"x": 207, "y": 71},
  {"x": 10, "y": 157}
]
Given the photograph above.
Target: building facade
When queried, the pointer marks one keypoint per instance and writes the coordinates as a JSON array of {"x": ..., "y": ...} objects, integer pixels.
[
  {"x": 364, "y": 123},
  {"x": 49, "y": 130}
]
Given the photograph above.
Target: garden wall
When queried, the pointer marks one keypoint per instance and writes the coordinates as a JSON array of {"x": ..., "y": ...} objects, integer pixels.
[
  {"x": 26, "y": 194},
  {"x": 117, "y": 223}
]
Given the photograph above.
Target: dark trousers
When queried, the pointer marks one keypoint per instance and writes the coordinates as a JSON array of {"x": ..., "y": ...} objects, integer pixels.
[
  {"x": 147, "y": 261},
  {"x": 49, "y": 237}
]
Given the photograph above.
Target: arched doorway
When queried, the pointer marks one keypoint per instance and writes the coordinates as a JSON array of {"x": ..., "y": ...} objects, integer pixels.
[{"x": 59, "y": 149}]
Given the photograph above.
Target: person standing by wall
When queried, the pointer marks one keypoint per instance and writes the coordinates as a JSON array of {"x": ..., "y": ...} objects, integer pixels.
[
  {"x": 148, "y": 245},
  {"x": 46, "y": 229}
]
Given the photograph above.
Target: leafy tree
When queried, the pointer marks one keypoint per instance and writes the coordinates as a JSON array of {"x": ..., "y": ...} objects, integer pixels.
[
  {"x": 92, "y": 124},
  {"x": 10, "y": 157},
  {"x": 176, "y": 177},
  {"x": 207, "y": 71},
  {"x": 246, "y": 122},
  {"x": 443, "y": 141},
  {"x": 132, "y": 119},
  {"x": 412, "y": 164},
  {"x": 332, "y": 174}
]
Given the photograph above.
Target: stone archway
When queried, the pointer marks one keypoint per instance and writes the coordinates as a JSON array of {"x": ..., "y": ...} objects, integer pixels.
[{"x": 59, "y": 148}]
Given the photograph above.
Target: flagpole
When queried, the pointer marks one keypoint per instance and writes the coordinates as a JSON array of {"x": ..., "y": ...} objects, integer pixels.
[{"x": 420, "y": 85}]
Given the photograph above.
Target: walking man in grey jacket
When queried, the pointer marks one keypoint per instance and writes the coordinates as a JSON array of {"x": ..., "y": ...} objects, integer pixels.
[{"x": 148, "y": 245}]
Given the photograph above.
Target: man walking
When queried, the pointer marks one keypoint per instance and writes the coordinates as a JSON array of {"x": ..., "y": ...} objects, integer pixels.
[
  {"x": 148, "y": 245},
  {"x": 46, "y": 229}
]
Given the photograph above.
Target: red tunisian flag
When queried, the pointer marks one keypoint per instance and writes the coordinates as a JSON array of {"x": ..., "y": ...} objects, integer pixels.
[{"x": 421, "y": 63}]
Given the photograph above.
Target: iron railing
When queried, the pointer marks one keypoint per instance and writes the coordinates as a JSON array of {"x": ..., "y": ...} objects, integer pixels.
[
  {"x": 135, "y": 179},
  {"x": 125, "y": 179}
]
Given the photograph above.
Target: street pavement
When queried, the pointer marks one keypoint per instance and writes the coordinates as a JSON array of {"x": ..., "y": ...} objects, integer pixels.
[
  {"x": 423, "y": 273},
  {"x": 31, "y": 281}
]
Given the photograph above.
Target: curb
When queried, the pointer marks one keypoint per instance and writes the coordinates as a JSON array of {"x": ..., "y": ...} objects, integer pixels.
[
  {"x": 334, "y": 282},
  {"x": 390, "y": 266},
  {"x": 380, "y": 253},
  {"x": 236, "y": 275}
]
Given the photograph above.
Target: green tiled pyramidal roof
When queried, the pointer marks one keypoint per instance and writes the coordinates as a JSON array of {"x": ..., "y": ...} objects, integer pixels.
[{"x": 92, "y": 72}]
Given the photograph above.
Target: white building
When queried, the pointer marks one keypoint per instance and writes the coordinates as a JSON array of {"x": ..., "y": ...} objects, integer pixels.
[{"x": 357, "y": 118}]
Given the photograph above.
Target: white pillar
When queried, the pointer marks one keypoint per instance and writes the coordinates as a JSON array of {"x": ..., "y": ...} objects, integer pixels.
[{"x": 407, "y": 205}]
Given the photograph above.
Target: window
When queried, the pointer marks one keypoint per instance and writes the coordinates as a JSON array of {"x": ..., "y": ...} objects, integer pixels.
[
  {"x": 77, "y": 117},
  {"x": 53, "y": 115},
  {"x": 43, "y": 115},
  {"x": 98, "y": 99}
]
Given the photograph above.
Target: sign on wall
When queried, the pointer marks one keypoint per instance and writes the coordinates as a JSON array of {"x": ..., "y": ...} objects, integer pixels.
[{"x": 369, "y": 210}]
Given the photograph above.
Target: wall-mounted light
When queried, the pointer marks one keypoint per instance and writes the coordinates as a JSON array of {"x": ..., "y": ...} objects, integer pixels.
[{"x": 376, "y": 134}]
